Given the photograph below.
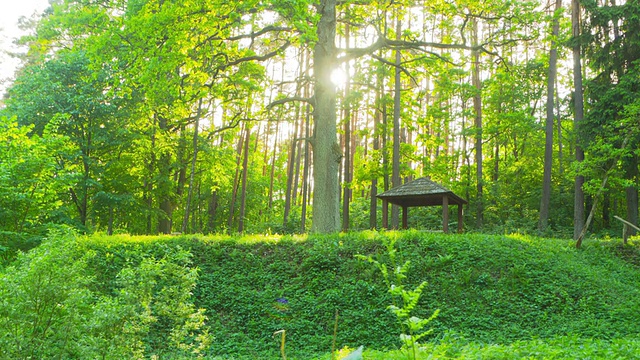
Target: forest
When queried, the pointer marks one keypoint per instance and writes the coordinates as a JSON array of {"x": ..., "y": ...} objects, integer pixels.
[
  {"x": 147, "y": 117},
  {"x": 200, "y": 179}
]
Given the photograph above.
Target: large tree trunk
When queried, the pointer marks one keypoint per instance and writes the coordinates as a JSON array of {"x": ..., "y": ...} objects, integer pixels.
[
  {"x": 326, "y": 151},
  {"x": 548, "y": 147},
  {"x": 578, "y": 209}
]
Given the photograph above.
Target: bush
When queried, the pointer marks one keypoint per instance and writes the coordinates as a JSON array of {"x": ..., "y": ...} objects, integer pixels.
[{"x": 49, "y": 307}]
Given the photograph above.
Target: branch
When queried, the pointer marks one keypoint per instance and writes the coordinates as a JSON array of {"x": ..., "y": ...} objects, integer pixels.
[
  {"x": 401, "y": 68},
  {"x": 254, "y": 35},
  {"x": 258, "y": 57},
  {"x": 235, "y": 121},
  {"x": 383, "y": 42},
  {"x": 290, "y": 99},
  {"x": 626, "y": 222}
]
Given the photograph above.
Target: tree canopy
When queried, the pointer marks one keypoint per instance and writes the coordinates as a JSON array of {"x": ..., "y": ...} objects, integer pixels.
[{"x": 205, "y": 116}]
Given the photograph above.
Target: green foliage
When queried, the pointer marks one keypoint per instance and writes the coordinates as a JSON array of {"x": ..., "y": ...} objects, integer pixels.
[
  {"x": 563, "y": 347},
  {"x": 505, "y": 289},
  {"x": 51, "y": 306},
  {"x": 404, "y": 301}
]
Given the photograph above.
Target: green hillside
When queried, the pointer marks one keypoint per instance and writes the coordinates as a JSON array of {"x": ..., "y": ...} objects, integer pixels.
[{"x": 498, "y": 290}]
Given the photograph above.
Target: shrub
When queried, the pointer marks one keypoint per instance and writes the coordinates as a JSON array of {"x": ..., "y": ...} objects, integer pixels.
[{"x": 49, "y": 306}]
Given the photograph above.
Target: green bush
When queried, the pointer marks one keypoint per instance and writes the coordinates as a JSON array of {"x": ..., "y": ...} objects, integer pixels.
[{"x": 50, "y": 306}]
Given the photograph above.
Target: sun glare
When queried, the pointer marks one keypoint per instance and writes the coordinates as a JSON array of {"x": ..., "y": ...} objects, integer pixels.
[{"x": 339, "y": 78}]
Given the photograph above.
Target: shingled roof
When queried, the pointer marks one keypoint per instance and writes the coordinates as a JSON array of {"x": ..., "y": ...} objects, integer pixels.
[{"x": 420, "y": 192}]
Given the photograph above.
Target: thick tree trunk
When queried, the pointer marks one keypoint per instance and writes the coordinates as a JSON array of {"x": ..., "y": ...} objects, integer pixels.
[
  {"x": 326, "y": 151},
  {"x": 578, "y": 209},
  {"x": 543, "y": 222}
]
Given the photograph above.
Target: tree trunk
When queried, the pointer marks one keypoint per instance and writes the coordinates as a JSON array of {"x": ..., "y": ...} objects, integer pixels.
[
  {"x": 164, "y": 185},
  {"x": 305, "y": 173},
  {"x": 346, "y": 197},
  {"x": 477, "y": 106},
  {"x": 187, "y": 208},
  {"x": 395, "y": 177},
  {"x": 148, "y": 185},
  {"x": 290, "y": 170},
  {"x": 632, "y": 196},
  {"x": 326, "y": 151},
  {"x": 273, "y": 167},
  {"x": 243, "y": 192},
  {"x": 307, "y": 152},
  {"x": 373, "y": 206},
  {"x": 212, "y": 209},
  {"x": 236, "y": 179},
  {"x": 578, "y": 209},
  {"x": 543, "y": 222}
]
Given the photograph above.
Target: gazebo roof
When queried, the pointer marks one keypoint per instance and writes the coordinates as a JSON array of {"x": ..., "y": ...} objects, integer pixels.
[{"x": 420, "y": 192}]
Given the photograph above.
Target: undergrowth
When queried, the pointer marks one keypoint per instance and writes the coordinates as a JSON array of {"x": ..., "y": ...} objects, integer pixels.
[{"x": 500, "y": 295}]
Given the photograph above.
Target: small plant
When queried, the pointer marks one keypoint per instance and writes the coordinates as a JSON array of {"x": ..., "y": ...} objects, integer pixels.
[{"x": 404, "y": 300}]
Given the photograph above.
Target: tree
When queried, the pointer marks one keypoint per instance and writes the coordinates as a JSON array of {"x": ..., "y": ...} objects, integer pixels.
[
  {"x": 74, "y": 103},
  {"x": 578, "y": 116},
  {"x": 613, "y": 51},
  {"x": 548, "y": 148}
]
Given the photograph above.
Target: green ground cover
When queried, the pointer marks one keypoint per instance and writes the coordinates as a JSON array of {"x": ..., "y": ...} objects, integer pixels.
[{"x": 500, "y": 297}]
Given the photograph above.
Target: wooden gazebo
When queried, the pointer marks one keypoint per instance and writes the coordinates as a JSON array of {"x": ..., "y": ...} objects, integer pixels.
[{"x": 421, "y": 192}]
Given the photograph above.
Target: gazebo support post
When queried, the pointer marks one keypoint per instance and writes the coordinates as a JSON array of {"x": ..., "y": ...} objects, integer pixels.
[
  {"x": 385, "y": 214},
  {"x": 460, "y": 219},
  {"x": 445, "y": 214},
  {"x": 405, "y": 215}
]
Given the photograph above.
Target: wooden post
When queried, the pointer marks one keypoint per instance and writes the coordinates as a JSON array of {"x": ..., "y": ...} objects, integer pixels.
[
  {"x": 460, "y": 219},
  {"x": 405, "y": 216},
  {"x": 445, "y": 214},
  {"x": 385, "y": 214}
]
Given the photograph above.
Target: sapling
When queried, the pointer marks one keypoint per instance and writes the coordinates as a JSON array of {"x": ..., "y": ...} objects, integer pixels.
[{"x": 404, "y": 301}]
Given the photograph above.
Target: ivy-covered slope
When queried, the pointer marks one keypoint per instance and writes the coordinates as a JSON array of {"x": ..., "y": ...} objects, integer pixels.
[{"x": 494, "y": 289}]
